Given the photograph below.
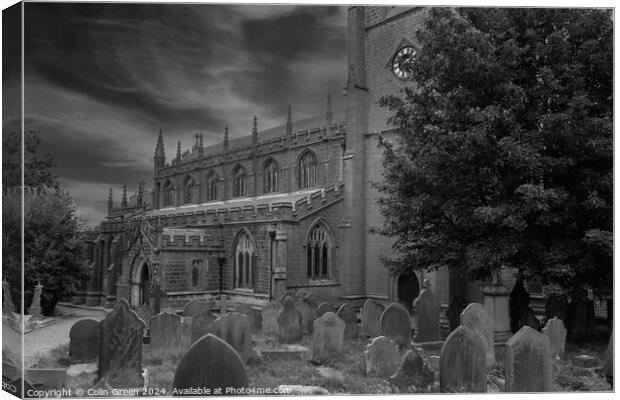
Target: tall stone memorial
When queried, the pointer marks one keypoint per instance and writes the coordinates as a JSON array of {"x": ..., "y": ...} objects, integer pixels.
[
  {"x": 426, "y": 310},
  {"x": 462, "y": 362},
  {"x": 120, "y": 347},
  {"x": 527, "y": 362},
  {"x": 476, "y": 318}
]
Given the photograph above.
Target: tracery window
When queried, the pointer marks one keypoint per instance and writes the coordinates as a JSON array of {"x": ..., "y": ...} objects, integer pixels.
[
  {"x": 270, "y": 177},
  {"x": 196, "y": 264},
  {"x": 168, "y": 194},
  {"x": 239, "y": 182},
  {"x": 188, "y": 190},
  {"x": 244, "y": 262},
  {"x": 307, "y": 171},
  {"x": 317, "y": 252},
  {"x": 212, "y": 181}
]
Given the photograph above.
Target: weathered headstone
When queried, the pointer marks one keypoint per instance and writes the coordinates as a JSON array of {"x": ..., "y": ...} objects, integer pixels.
[
  {"x": 325, "y": 307},
  {"x": 270, "y": 317},
  {"x": 382, "y": 357},
  {"x": 327, "y": 337},
  {"x": 518, "y": 301},
  {"x": 463, "y": 362},
  {"x": 289, "y": 322},
  {"x": 395, "y": 324},
  {"x": 412, "y": 375},
  {"x": 370, "y": 316},
  {"x": 145, "y": 312},
  {"x": 193, "y": 308},
  {"x": 209, "y": 364},
  {"x": 527, "y": 361},
  {"x": 528, "y": 318},
  {"x": 456, "y": 307},
  {"x": 254, "y": 315},
  {"x": 557, "y": 306},
  {"x": 234, "y": 328},
  {"x": 7, "y": 305},
  {"x": 555, "y": 331},
  {"x": 120, "y": 347},
  {"x": 35, "y": 306},
  {"x": 201, "y": 324},
  {"x": 308, "y": 315},
  {"x": 476, "y": 318},
  {"x": 426, "y": 309},
  {"x": 346, "y": 313},
  {"x": 84, "y": 340},
  {"x": 286, "y": 295},
  {"x": 167, "y": 338}
]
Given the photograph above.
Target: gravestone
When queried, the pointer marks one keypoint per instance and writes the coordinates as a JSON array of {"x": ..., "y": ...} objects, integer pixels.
[
  {"x": 201, "y": 324},
  {"x": 608, "y": 368},
  {"x": 145, "y": 312},
  {"x": 395, "y": 324},
  {"x": 528, "y": 318},
  {"x": 209, "y": 364},
  {"x": 518, "y": 301},
  {"x": 35, "y": 306},
  {"x": 475, "y": 317},
  {"x": 120, "y": 347},
  {"x": 463, "y": 362},
  {"x": 234, "y": 328},
  {"x": 555, "y": 331},
  {"x": 84, "y": 340},
  {"x": 289, "y": 321},
  {"x": 557, "y": 306},
  {"x": 270, "y": 317},
  {"x": 193, "y": 308},
  {"x": 308, "y": 315},
  {"x": 327, "y": 338},
  {"x": 527, "y": 362},
  {"x": 370, "y": 316},
  {"x": 382, "y": 357},
  {"x": 454, "y": 311},
  {"x": 346, "y": 313},
  {"x": 412, "y": 375},
  {"x": 286, "y": 295},
  {"x": 580, "y": 320},
  {"x": 7, "y": 305},
  {"x": 426, "y": 309},
  {"x": 254, "y": 315},
  {"x": 167, "y": 336},
  {"x": 325, "y": 307}
]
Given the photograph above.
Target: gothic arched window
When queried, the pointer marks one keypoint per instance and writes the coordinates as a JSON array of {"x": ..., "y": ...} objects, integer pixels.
[
  {"x": 270, "y": 177},
  {"x": 244, "y": 262},
  {"x": 188, "y": 190},
  {"x": 168, "y": 194},
  {"x": 318, "y": 248},
  {"x": 212, "y": 181},
  {"x": 239, "y": 182},
  {"x": 307, "y": 171}
]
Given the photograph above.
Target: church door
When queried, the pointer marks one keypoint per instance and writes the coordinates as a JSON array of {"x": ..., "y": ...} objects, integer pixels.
[
  {"x": 144, "y": 285},
  {"x": 408, "y": 289}
]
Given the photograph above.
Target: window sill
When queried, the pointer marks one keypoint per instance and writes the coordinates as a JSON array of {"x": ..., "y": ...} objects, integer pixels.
[{"x": 322, "y": 282}]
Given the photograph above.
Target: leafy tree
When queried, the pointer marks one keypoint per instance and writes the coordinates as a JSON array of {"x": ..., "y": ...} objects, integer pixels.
[
  {"x": 37, "y": 168},
  {"x": 504, "y": 154},
  {"x": 53, "y": 247}
]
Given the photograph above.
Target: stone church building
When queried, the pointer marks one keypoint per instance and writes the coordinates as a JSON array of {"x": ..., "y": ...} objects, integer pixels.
[{"x": 283, "y": 209}]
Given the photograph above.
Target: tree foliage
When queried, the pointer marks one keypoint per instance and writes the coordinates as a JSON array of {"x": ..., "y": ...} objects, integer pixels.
[
  {"x": 53, "y": 246},
  {"x": 38, "y": 169},
  {"x": 504, "y": 154}
]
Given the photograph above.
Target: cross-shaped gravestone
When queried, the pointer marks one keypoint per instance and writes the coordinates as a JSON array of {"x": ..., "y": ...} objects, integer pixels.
[
  {"x": 527, "y": 362},
  {"x": 346, "y": 313},
  {"x": 84, "y": 340},
  {"x": 120, "y": 347},
  {"x": 426, "y": 309},
  {"x": 210, "y": 363},
  {"x": 382, "y": 357},
  {"x": 462, "y": 362},
  {"x": 395, "y": 324},
  {"x": 476, "y": 318},
  {"x": 327, "y": 338},
  {"x": 555, "y": 331},
  {"x": 370, "y": 316},
  {"x": 289, "y": 322},
  {"x": 167, "y": 336},
  {"x": 270, "y": 317}
]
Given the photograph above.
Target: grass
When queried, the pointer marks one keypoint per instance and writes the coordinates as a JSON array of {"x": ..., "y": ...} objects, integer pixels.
[{"x": 351, "y": 364}]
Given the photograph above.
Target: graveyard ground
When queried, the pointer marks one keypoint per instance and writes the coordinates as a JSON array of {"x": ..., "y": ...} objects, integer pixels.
[{"x": 345, "y": 374}]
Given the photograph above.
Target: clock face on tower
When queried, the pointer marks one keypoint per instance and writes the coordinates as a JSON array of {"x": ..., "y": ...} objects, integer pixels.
[{"x": 402, "y": 63}]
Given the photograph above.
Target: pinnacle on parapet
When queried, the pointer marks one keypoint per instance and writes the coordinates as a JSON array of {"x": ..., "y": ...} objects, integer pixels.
[
  {"x": 329, "y": 115},
  {"x": 179, "y": 151},
  {"x": 226, "y": 141},
  {"x": 289, "y": 122},
  {"x": 255, "y": 131},
  {"x": 124, "y": 199},
  {"x": 201, "y": 142},
  {"x": 160, "y": 156},
  {"x": 110, "y": 200}
]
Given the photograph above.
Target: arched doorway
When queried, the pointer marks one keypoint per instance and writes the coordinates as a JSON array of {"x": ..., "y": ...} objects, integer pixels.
[
  {"x": 141, "y": 280},
  {"x": 408, "y": 288}
]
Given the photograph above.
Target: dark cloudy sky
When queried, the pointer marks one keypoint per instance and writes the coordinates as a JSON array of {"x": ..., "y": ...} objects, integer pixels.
[{"x": 102, "y": 79}]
